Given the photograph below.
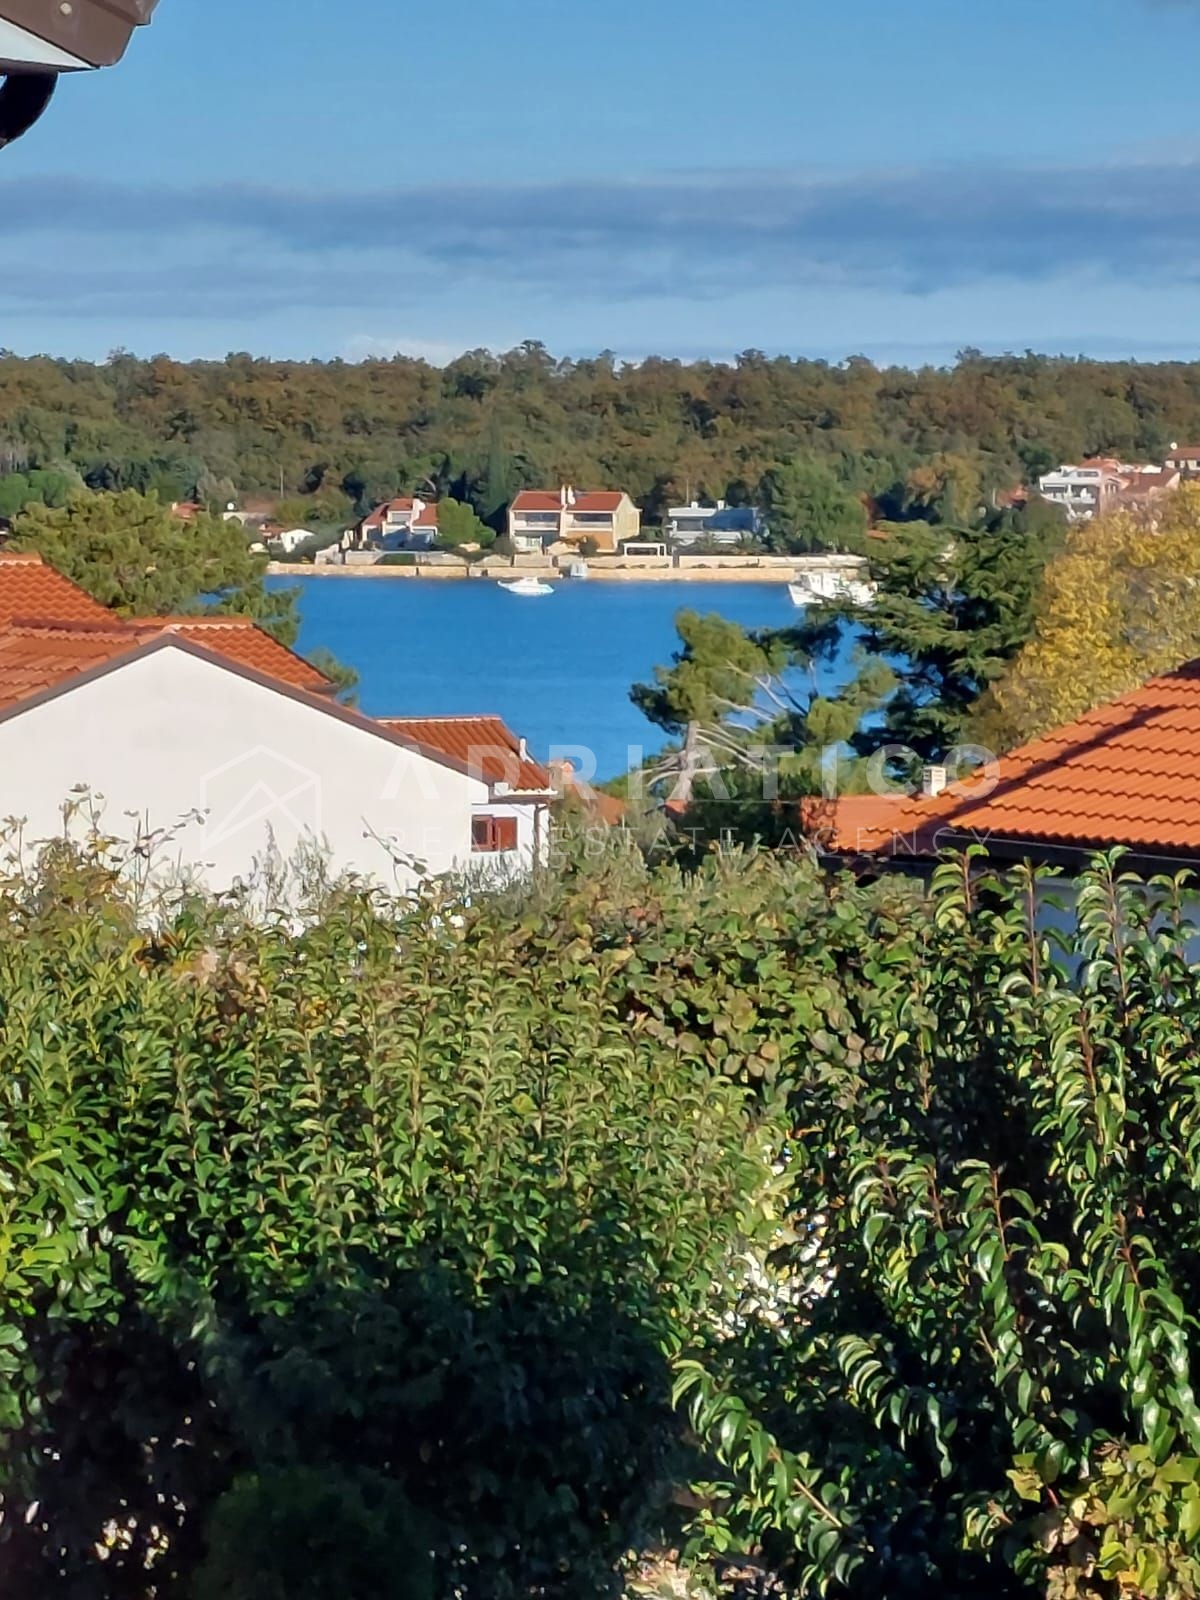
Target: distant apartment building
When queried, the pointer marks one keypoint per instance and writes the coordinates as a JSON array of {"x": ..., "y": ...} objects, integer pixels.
[
  {"x": 540, "y": 518},
  {"x": 1084, "y": 491},
  {"x": 719, "y": 524},
  {"x": 403, "y": 524}
]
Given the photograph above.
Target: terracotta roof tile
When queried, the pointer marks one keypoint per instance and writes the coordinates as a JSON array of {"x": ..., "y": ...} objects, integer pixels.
[
  {"x": 427, "y": 517},
  {"x": 852, "y": 824},
  {"x": 36, "y": 656},
  {"x": 29, "y": 588},
  {"x": 484, "y": 744},
  {"x": 551, "y": 500},
  {"x": 51, "y": 629},
  {"x": 240, "y": 639},
  {"x": 1126, "y": 773}
]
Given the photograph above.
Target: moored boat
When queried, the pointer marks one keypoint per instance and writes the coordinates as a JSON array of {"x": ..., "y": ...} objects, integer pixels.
[
  {"x": 529, "y": 587},
  {"x": 804, "y": 591}
]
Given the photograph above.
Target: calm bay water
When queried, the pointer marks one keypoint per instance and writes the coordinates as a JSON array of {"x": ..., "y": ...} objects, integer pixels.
[{"x": 556, "y": 669}]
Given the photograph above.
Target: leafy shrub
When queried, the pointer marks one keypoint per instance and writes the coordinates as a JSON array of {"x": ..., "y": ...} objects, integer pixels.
[
  {"x": 395, "y": 1232},
  {"x": 389, "y": 1212},
  {"x": 980, "y": 1378}
]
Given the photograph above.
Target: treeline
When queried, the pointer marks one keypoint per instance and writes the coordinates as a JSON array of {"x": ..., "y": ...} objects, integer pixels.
[{"x": 932, "y": 443}]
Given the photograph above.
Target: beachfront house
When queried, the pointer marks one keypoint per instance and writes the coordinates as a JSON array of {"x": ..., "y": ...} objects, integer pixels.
[
  {"x": 289, "y": 540},
  {"x": 221, "y": 749},
  {"x": 408, "y": 523},
  {"x": 540, "y": 518},
  {"x": 727, "y": 526}
]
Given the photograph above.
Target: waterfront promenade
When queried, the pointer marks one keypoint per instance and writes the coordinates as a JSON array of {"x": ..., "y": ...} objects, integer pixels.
[{"x": 601, "y": 569}]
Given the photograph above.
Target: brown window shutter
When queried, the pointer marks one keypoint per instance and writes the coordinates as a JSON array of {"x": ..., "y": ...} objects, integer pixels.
[{"x": 493, "y": 833}]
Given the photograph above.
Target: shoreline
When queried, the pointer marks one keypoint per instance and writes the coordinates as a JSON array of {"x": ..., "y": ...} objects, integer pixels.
[{"x": 286, "y": 569}]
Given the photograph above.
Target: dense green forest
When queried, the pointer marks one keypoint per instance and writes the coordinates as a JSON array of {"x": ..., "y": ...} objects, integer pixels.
[
  {"x": 932, "y": 442},
  {"x": 839, "y": 1237}
]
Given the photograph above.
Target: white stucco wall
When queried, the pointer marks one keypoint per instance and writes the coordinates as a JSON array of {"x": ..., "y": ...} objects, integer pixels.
[{"x": 170, "y": 734}]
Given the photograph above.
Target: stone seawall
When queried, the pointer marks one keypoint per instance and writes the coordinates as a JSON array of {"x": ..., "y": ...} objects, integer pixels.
[{"x": 744, "y": 573}]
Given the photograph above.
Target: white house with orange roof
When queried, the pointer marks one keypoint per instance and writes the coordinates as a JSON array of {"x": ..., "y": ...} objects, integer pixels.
[
  {"x": 408, "y": 523},
  {"x": 539, "y": 518},
  {"x": 510, "y": 825},
  {"x": 1083, "y": 491},
  {"x": 221, "y": 749}
]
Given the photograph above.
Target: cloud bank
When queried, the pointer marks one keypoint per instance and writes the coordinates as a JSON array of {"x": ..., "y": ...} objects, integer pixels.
[{"x": 101, "y": 249}]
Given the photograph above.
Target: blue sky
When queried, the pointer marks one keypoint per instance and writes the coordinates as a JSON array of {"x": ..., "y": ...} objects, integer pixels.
[{"x": 692, "y": 177}]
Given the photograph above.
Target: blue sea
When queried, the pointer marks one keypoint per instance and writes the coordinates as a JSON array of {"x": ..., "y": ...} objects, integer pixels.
[{"x": 557, "y": 669}]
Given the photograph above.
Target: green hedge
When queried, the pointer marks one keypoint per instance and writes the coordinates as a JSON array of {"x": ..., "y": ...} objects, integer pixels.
[{"x": 436, "y": 1248}]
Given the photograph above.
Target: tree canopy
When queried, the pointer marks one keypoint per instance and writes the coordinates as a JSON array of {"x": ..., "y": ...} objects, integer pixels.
[
  {"x": 808, "y": 509},
  {"x": 954, "y": 606},
  {"x": 751, "y": 727},
  {"x": 1118, "y": 605},
  {"x": 458, "y": 524},
  {"x": 931, "y": 443},
  {"x": 132, "y": 553}
]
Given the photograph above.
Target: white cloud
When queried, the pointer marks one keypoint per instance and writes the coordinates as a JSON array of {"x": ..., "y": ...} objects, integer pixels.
[{"x": 438, "y": 352}]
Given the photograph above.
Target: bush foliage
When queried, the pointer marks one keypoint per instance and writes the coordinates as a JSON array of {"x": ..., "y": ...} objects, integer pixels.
[{"x": 434, "y": 1248}]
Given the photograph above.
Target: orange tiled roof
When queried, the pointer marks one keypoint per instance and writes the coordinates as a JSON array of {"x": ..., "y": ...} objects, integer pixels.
[
  {"x": 551, "y": 500},
  {"x": 599, "y": 806},
  {"x": 427, "y": 517},
  {"x": 1127, "y": 773},
  {"x": 484, "y": 744},
  {"x": 61, "y": 630},
  {"x": 852, "y": 824},
  {"x": 240, "y": 639},
  {"x": 29, "y": 588},
  {"x": 37, "y": 655}
]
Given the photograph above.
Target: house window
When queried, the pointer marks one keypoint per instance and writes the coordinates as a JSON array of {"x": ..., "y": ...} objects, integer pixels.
[{"x": 493, "y": 833}]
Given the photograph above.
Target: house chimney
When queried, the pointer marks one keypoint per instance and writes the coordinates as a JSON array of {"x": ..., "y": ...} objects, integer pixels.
[
  {"x": 933, "y": 781},
  {"x": 563, "y": 493},
  {"x": 523, "y": 748}
]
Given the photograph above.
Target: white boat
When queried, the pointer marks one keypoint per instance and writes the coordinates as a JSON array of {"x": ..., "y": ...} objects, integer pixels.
[
  {"x": 578, "y": 569},
  {"x": 805, "y": 592},
  {"x": 528, "y": 586}
]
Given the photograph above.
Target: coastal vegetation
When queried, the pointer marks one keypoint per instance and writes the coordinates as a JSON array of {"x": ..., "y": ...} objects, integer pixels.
[
  {"x": 934, "y": 444},
  {"x": 129, "y": 552},
  {"x": 1118, "y": 605},
  {"x": 838, "y": 1238},
  {"x": 981, "y": 637}
]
